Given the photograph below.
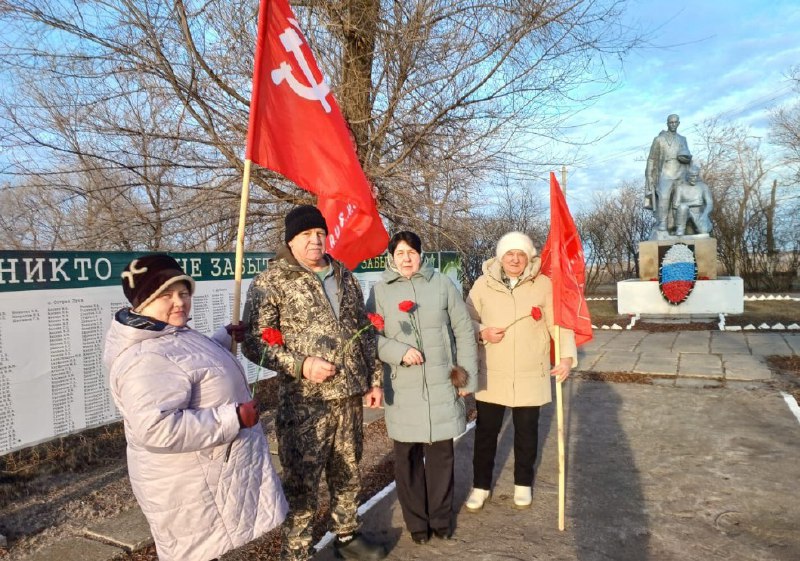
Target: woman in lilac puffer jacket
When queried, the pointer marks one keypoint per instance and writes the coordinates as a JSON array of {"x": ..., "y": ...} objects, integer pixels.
[{"x": 197, "y": 458}]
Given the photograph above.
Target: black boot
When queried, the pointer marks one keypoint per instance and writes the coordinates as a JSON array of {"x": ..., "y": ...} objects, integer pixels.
[
  {"x": 358, "y": 547},
  {"x": 443, "y": 533},
  {"x": 420, "y": 537}
]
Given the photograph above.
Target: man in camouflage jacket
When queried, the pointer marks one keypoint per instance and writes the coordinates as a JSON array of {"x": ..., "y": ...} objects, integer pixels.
[{"x": 317, "y": 305}]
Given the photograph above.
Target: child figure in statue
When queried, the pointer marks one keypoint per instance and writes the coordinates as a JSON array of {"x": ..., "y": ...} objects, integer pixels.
[{"x": 692, "y": 205}]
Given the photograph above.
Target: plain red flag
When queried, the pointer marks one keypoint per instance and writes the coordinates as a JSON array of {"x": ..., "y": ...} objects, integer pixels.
[
  {"x": 562, "y": 261},
  {"x": 297, "y": 130}
]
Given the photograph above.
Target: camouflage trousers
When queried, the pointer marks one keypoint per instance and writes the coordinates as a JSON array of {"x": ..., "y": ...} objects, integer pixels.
[{"x": 316, "y": 436}]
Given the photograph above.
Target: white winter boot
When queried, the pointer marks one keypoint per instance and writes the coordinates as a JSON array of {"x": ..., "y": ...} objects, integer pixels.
[
  {"x": 476, "y": 499},
  {"x": 522, "y": 497}
]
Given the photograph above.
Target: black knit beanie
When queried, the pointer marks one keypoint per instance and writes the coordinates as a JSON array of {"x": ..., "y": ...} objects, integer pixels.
[
  {"x": 146, "y": 277},
  {"x": 302, "y": 218}
]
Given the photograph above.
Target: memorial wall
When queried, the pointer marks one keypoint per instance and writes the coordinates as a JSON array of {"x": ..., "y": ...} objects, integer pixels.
[{"x": 55, "y": 308}]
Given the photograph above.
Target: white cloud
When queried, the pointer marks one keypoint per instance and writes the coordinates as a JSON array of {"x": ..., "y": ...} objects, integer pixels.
[{"x": 725, "y": 60}]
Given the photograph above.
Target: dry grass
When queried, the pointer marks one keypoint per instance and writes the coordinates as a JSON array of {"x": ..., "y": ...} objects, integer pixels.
[
  {"x": 787, "y": 312},
  {"x": 75, "y": 453},
  {"x": 604, "y": 312},
  {"x": 787, "y": 369},
  {"x": 622, "y": 377},
  {"x": 771, "y": 312}
]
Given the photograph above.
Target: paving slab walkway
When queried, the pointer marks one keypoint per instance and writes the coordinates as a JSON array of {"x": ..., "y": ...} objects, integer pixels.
[{"x": 723, "y": 356}]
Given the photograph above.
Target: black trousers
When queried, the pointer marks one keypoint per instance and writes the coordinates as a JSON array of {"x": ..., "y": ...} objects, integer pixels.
[
  {"x": 424, "y": 476},
  {"x": 526, "y": 442}
]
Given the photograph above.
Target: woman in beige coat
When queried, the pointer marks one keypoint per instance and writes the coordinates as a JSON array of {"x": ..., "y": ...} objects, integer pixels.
[{"x": 511, "y": 305}]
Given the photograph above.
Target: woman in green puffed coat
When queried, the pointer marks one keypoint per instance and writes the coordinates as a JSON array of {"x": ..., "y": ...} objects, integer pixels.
[{"x": 428, "y": 348}]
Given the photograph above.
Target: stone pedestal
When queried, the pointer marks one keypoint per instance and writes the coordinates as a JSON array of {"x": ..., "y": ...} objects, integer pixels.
[
  {"x": 724, "y": 295},
  {"x": 705, "y": 253}
]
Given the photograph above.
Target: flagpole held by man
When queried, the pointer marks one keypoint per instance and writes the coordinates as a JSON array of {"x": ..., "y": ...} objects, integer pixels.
[{"x": 296, "y": 129}]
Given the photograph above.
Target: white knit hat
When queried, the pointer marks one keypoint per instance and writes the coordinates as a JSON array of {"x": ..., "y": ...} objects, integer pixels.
[{"x": 515, "y": 240}]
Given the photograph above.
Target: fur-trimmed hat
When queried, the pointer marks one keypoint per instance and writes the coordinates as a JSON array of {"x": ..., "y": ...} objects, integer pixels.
[
  {"x": 146, "y": 277},
  {"x": 515, "y": 240},
  {"x": 302, "y": 218}
]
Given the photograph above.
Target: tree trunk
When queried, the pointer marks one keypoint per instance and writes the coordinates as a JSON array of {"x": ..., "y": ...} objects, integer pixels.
[{"x": 359, "y": 21}]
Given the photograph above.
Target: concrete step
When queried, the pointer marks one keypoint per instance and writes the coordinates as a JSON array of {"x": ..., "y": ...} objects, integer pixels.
[
  {"x": 128, "y": 530},
  {"x": 77, "y": 548}
]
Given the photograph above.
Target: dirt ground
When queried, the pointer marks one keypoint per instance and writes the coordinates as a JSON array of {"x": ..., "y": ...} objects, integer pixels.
[{"x": 55, "y": 489}]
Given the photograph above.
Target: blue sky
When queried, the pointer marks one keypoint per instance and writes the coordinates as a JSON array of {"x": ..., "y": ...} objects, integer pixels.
[{"x": 706, "y": 59}]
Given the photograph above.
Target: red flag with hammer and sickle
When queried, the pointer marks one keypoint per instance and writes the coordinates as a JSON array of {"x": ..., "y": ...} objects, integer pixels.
[{"x": 297, "y": 130}]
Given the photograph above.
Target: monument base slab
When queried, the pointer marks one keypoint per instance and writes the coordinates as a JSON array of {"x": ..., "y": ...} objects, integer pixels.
[
  {"x": 705, "y": 254},
  {"x": 724, "y": 295}
]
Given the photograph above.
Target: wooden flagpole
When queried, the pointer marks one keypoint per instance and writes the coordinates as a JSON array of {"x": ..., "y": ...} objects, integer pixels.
[
  {"x": 560, "y": 417},
  {"x": 237, "y": 291},
  {"x": 560, "y": 408}
]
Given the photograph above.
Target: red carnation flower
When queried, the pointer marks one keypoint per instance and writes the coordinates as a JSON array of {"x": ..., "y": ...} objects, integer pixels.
[
  {"x": 536, "y": 314},
  {"x": 408, "y": 307},
  {"x": 377, "y": 321},
  {"x": 272, "y": 336}
]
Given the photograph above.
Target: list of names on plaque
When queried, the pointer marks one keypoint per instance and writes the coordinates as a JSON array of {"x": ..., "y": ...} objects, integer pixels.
[
  {"x": 51, "y": 357},
  {"x": 200, "y": 314},
  {"x": 220, "y": 311},
  {"x": 8, "y": 433},
  {"x": 95, "y": 388},
  {"x": 63, "y": 377}
]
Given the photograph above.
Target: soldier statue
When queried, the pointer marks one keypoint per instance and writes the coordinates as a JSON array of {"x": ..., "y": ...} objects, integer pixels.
[{"x": 668, "y": 161}]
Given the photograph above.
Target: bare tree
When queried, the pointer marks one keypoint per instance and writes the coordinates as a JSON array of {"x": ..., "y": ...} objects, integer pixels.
[
  {"x": 785, "y": 129},
  {"x": 515, "y": 208},
  {"x": 611, "y": 231},
  {"x": 32, "y": 217},
  {"x": 749, "y": 220},
  {"x": 144, "y": 103}
]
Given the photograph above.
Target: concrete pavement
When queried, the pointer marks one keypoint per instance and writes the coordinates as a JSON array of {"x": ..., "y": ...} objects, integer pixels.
[
  {"x": 688, "y": 357},
  {"x": 692, "y": 467}
]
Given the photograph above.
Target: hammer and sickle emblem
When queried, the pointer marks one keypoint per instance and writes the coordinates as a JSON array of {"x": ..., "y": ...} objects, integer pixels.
[{"x": 291, "y": 41}]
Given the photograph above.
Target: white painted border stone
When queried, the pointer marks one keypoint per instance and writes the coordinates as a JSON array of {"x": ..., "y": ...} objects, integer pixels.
[{"x": 790, "y": 401}]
